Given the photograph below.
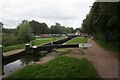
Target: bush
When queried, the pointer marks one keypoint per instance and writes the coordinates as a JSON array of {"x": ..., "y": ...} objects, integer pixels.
[
  {"x": 10, "y": 39},
  {"x": 25, "y": 32}
]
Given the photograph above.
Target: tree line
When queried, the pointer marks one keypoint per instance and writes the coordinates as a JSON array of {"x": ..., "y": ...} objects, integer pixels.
[
  {"x": 103, "y": 22},
  {"x": 22, "y": 34},
  {"x": 27, "y": 30},
  {"x": 42, "y": 28}
]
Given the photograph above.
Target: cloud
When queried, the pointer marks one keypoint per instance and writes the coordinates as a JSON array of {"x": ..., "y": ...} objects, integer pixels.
[{"x": 66, "y": 12}]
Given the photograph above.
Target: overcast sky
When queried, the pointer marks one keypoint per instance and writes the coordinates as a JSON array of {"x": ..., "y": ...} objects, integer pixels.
[{"x": 69, "y": 13}]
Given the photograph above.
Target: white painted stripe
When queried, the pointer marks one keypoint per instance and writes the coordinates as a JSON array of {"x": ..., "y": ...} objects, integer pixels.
[
  {"x": 27, "y": 44},
  {"x": 34, "y": 47},
  {"x": 85, "y": 45}
]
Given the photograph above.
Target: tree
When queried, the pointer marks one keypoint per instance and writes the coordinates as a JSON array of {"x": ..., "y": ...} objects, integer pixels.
[
  {"x": 78, "y": 29},
  {"x": 103, "y": 22},
  {"x": 35, "y": 27},
  {"x": 25, "y": 32},
  {"x": 44, "y": 28},
  {"x": 39, "y": 28},
  {"x": 56, "y": 29},
  {"x": 72, "y": 30},
  {"x": 67, "y": 30}
]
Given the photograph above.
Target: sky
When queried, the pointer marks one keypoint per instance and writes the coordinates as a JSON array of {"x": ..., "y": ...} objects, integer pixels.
[{"x": 69, "y": 13}]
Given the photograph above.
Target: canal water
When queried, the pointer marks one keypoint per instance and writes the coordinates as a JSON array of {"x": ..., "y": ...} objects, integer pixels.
[{"x": 25, "y": 60}]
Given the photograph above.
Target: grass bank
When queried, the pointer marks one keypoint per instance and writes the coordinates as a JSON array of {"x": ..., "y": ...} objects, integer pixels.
[
  {"x": 61, "y": 67},
  {"x": 77, "y": 40},
  {"x": 14, "y": 47},
  {"x": 40, "y": 41},
  {"x": 107, "y": 46}
]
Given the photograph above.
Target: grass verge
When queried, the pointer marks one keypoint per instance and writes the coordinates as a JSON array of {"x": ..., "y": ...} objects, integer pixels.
[
  {"x": 107, "y": 46},
  {"x": 77, "y": 40},
  {"x": 14, "y": 47},
  {"x": 45, "y": 40},
  {"x": 61, "y": 67},
  {"x": 35, "y": 42}
]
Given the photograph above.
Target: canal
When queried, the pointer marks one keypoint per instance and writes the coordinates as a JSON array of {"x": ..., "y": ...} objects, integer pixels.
[
  {"x": 25, "y": 60},
  {"x": 15, "y": 62}
]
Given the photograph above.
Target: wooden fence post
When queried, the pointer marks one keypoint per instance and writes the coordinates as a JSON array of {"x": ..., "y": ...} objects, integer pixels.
[{"x": 1, "y": 63}]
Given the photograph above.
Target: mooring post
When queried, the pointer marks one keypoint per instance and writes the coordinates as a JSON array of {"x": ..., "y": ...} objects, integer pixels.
[
  {"x": 34, "y": 49},
  {"x": 27, "y": 47}
]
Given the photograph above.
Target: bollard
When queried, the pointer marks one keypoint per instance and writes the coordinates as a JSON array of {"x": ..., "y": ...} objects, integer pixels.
[
  {"x": 27, "y": 47},
  {"x": 34, "y": 49}
]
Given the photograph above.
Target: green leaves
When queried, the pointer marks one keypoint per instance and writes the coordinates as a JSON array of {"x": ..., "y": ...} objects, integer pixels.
[
  {"x": 39, "y": 28},
  {"x": 58, "y": 29},
  {"x": 25, "y": 32},
  {"x": 103, "y": 17}
]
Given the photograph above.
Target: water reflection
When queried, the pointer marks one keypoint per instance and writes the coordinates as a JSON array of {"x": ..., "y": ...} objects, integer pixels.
[
  {"x": 12, "y": 66},
  {"x": 26, "y": 59},
  {"x": 29, "y": 59}
]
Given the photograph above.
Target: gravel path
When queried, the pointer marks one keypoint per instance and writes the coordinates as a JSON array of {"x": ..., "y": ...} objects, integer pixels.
[{"x": 106, "y": 62}]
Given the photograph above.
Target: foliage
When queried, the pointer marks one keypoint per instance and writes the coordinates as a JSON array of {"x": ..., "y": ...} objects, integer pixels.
[
  {"x": 8, "y": 31},
  {"x": 39, "y": 28},
  {"x": 78, "y": 29},
  {"x": 103, "y": 23},
  {"x": 12, "y": 37},
  {"x": 25, "y": 32},
  {"x": 9, "y": 39},
  {"x": 58, "y": 29},
  {"x": 42, "y": 28},
  {"x": 61, "y": 67}
]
